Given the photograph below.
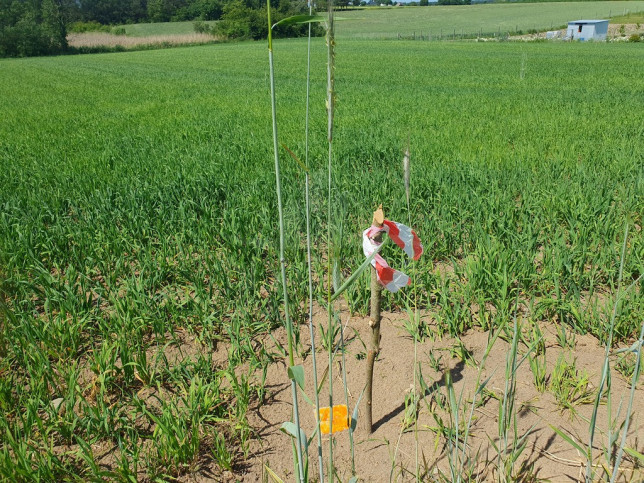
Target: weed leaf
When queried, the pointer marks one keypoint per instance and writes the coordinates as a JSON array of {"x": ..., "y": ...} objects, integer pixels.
[
  {"x": 290, "y": 428},
  {"x": 574, "y": 443},
  {"x": 296, "y": 373},
  {"x": 357, "y": 273},
  {"x": 634, "y": 454},
  {"x": 297, "y": 160},
  {"x": 354, "y": 415},
  {"x": 299, "y": 19}
]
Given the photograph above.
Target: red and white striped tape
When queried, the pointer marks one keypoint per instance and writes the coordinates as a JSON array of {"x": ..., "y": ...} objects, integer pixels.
[{"x": 405, "y": 238}]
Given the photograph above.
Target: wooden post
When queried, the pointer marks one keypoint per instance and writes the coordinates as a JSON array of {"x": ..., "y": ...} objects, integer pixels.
[{"x": 374, "y": 323}]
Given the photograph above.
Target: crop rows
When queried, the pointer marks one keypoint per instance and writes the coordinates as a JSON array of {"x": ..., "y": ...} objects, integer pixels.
[
  {"x": 138, "y": 222},
  {"x": 443, "y": 21}
]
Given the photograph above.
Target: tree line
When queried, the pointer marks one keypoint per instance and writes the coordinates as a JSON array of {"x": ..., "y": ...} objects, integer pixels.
[{"x": 40, "y": 27}]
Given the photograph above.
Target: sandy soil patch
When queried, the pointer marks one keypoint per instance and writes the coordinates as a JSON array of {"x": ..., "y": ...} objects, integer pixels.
[{"x": 389, "y": 453}]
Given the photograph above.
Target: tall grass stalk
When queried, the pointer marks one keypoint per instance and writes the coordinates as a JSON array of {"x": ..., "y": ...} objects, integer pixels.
[
  {"x": 636, "y": 373},
  {"x": 330, "y": 41},
  {"x": 289, "y": 324},
  {"x": 346, "y": 397},
  {"x": 407, "y": 180},
  {"x": 480, "y": 386},
  {"x": 308, "y": 248},
  {"x": 606, "y": 365},
  {"x": 507, "y": 413},
  {"x": 510, "y": 448}
]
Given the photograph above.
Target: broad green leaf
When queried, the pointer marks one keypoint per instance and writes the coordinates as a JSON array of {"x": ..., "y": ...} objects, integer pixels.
[
  {"x": 299, "y": 19},
  {"x": 296, "y": 373},
  {"x": 289, "y": 428},
  {"x": 354, "y": 415}
]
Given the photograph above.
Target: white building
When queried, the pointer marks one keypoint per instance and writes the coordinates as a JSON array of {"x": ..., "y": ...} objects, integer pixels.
[{"x": 587, "y": 30}]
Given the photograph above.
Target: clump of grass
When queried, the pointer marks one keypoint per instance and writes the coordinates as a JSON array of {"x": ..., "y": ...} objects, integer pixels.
[
  {"x": 537, "y": 358},
  {"x": 628, "y": 365},
  {"x": 511, "y": 444},
  {"x": 570, "y": 386}
]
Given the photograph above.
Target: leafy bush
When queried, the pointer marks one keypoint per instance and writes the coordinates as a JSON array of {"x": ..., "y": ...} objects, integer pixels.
[
  {"x": 118, "y": 30},
  {"x": 202, "y": 27},
  {"x": 236, "y": 22},
  {"x": 242, "y": 22},
  {"x": 31, "y": 36},
  {"x": 200, "y": 10},
  {"x": 91, "y": 26},
  {"x": 634, "y": 38}
]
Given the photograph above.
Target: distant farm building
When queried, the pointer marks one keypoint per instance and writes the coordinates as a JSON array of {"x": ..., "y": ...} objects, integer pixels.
[{"x": 587, "y": 30}]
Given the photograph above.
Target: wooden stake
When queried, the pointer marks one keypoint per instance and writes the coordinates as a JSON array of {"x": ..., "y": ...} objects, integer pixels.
[{"x": 374, "y": 323}]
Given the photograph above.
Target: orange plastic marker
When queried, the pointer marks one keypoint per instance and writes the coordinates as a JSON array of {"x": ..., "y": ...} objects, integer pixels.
[{"x": 340, "y": 419}]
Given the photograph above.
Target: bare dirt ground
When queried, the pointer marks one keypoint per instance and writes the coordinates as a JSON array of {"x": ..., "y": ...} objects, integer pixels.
[
  {"x": 389, "y": 453},
  {"x": 615, "y": 30}
]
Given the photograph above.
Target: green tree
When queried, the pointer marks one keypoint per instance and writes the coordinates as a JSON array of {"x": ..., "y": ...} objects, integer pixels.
[
  {"x": 35, "y": 27},
  {"x": 241, "y": 20},
  {"x": 236, "y": 21},
  {"x": 158, "y": 11}
]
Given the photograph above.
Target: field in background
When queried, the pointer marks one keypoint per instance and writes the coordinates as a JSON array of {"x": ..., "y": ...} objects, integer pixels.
[
  {"x": 629, "y": 18},
  {"x": 138, "y": 230},
  {"x": 376, "y": 23}
]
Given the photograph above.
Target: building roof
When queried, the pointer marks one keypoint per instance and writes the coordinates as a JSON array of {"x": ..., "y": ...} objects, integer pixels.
[{"x": 577, "y": 22}]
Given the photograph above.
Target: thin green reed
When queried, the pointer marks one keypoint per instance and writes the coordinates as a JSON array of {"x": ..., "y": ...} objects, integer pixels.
[
  {"x": 606, "y": 366},
  {"x": 330, "y": 41},
  {"x": 346, "y": 397},
  {"x": 289, "y": 324},
  {"x": 407, "y": 181},
  {"x": 636, "y": 373},
  {"x": 308, "y": 247}
]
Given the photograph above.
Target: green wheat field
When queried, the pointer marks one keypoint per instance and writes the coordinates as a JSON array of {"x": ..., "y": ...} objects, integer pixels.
[{"x": 138, "y": 211}]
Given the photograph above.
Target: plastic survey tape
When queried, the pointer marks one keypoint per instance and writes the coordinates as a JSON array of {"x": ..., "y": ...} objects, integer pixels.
[{"x": 405, "y": 238}]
